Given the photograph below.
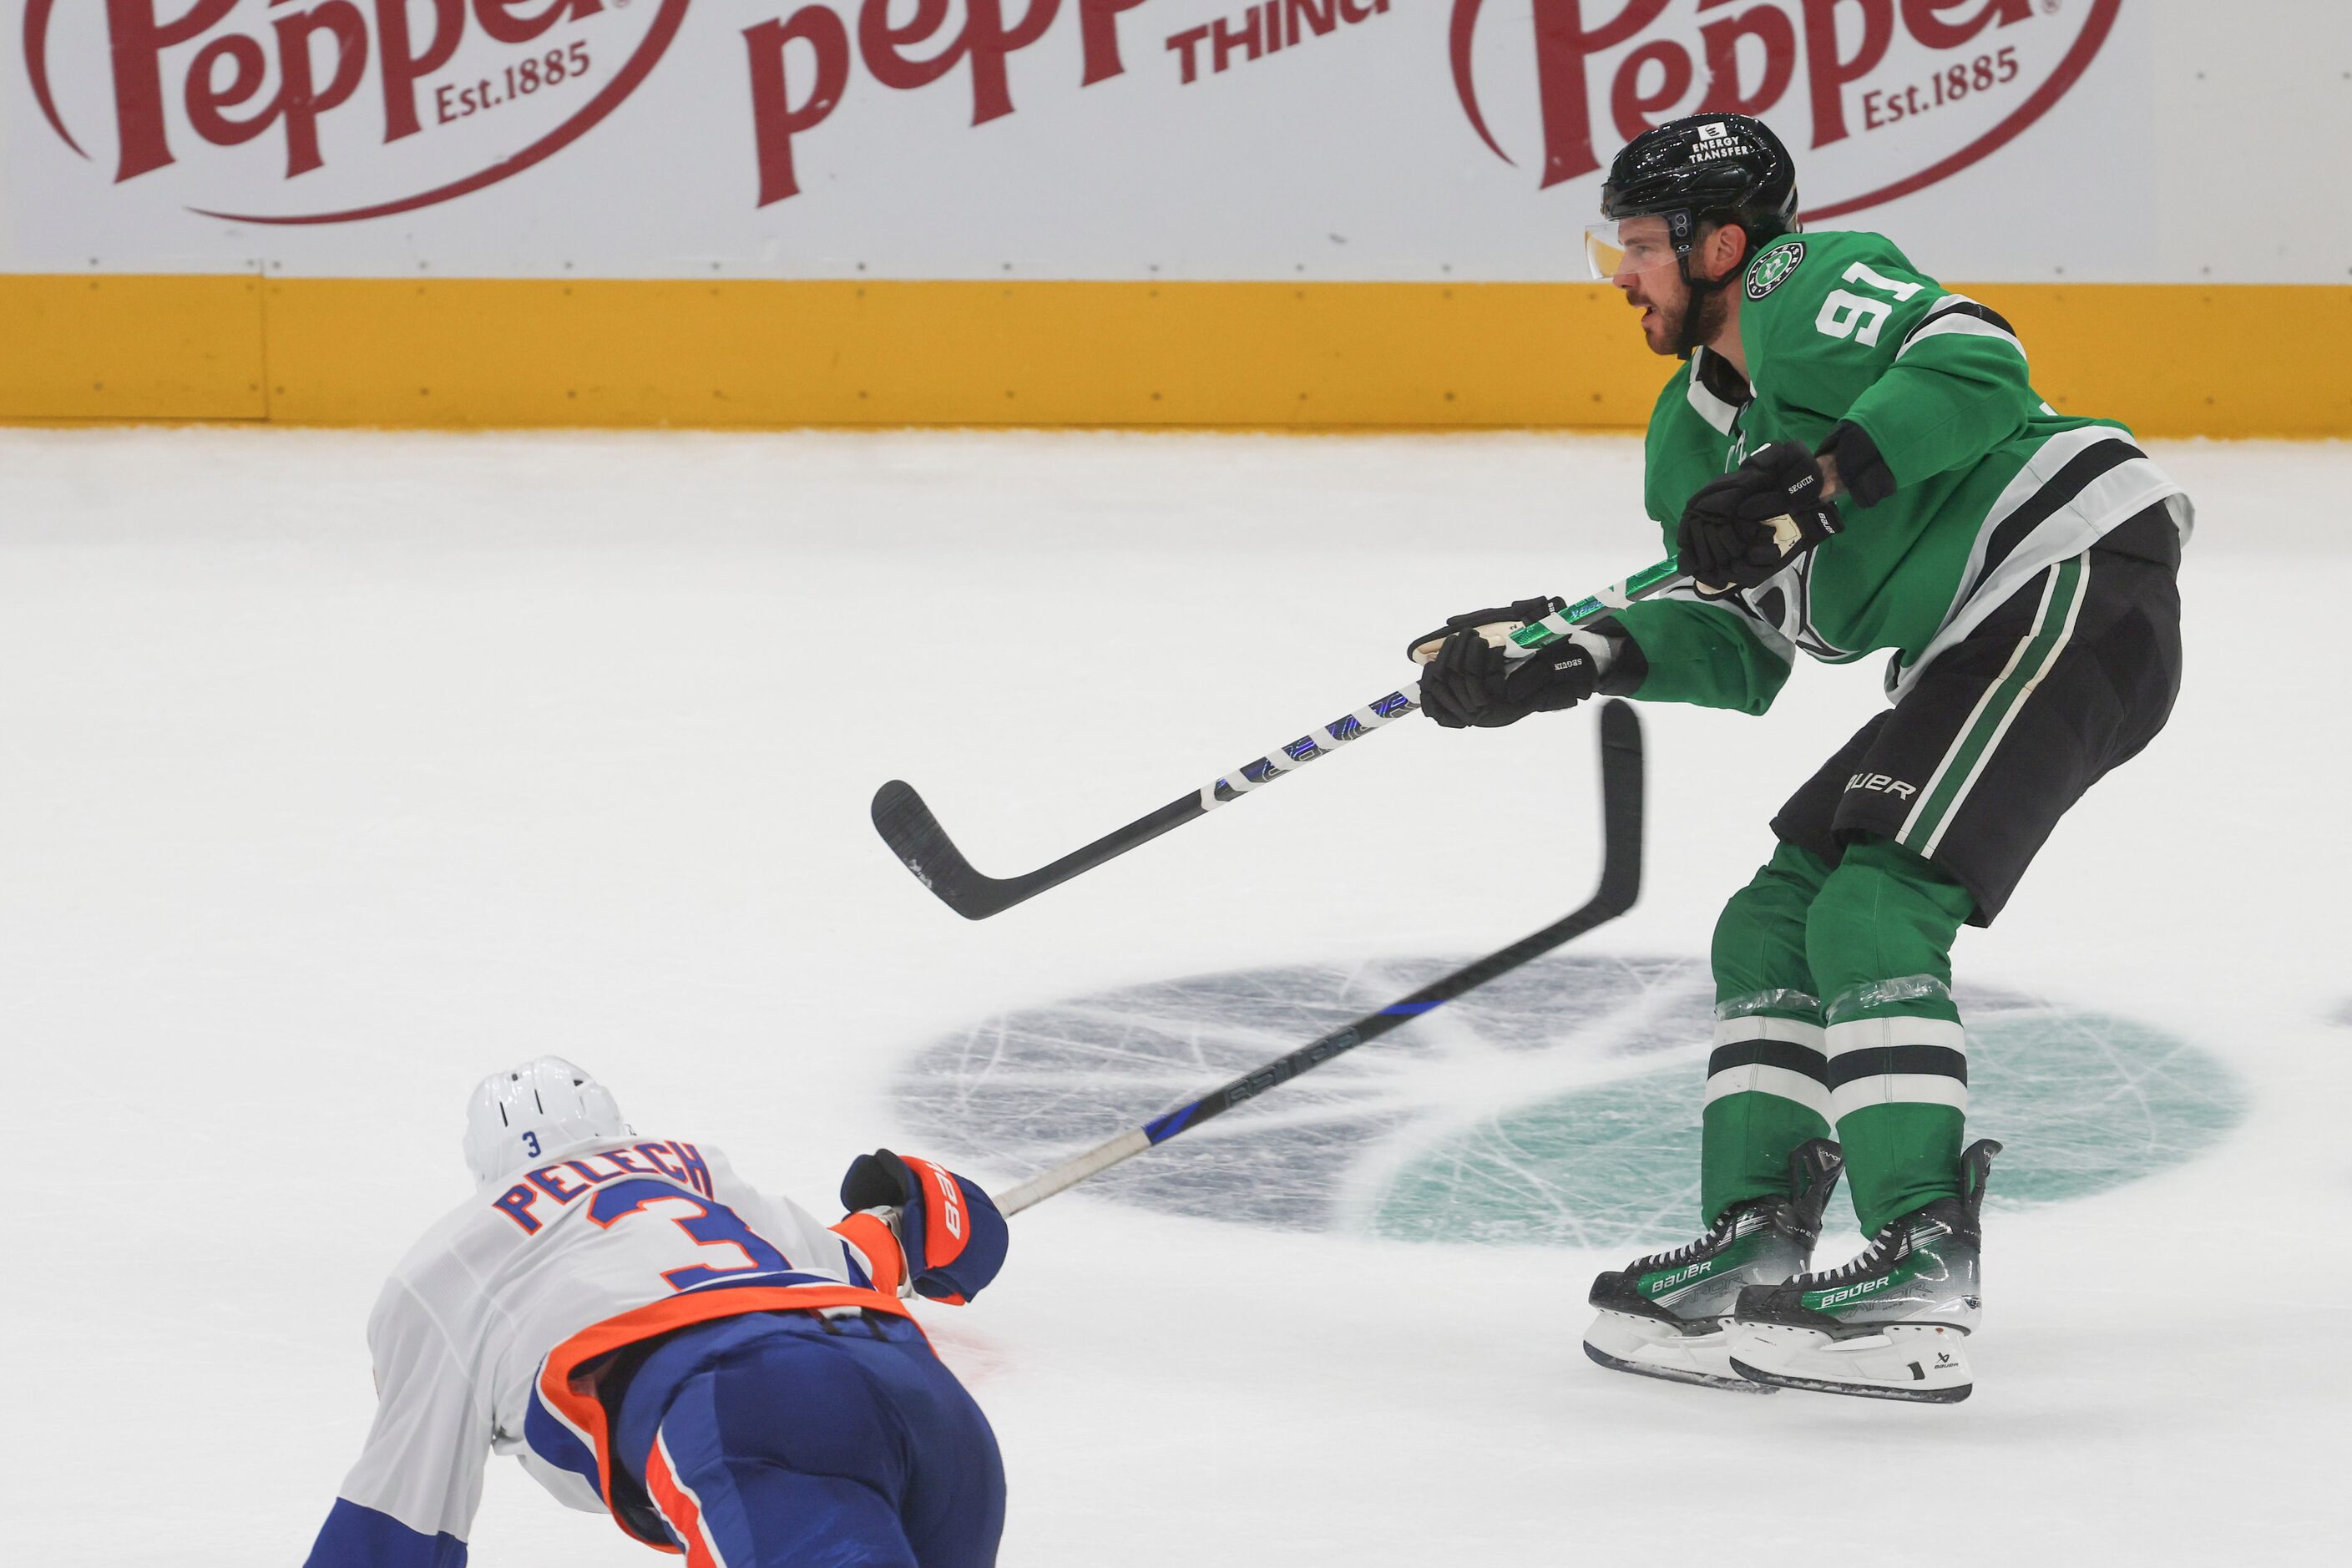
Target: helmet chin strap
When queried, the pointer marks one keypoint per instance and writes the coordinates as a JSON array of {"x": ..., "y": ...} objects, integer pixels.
[{"x": 1696, "y": 327}]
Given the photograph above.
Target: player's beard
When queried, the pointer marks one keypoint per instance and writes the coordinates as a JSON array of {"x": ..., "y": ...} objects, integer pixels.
[{"x": 1703, "y": 318}]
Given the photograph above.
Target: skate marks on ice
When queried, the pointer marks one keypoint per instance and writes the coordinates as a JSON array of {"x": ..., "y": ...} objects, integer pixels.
[
  {"x": 2082, "y": 1101},
  {"x": 1028, "y": 1088},
  {"x": 1555, "y": 1106}
]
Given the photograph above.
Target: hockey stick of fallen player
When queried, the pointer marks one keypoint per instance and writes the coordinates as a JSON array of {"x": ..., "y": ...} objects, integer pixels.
[
  {"x": 914, "y": 836},
  {"x": 1620, "y": 884}
]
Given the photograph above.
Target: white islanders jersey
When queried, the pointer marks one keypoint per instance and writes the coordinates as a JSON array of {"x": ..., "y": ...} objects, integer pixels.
[{"x": 487, "y": 1335}]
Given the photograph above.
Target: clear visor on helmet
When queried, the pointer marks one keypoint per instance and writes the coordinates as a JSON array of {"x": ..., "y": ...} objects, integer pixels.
[{"x": 1615, "y": 252}]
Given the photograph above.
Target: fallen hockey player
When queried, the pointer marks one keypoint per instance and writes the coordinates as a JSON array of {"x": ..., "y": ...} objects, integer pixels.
[{"x": 655, "y": 1339}]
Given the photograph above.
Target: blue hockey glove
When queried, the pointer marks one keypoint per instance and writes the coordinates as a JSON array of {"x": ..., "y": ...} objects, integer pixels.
[{"x": 949, "y": 1232}]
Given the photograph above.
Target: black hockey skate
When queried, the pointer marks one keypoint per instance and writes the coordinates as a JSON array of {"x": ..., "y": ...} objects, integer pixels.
[
  {"x": 1668, "y": 1315},
  {"x": 1892, "y": 1324}
]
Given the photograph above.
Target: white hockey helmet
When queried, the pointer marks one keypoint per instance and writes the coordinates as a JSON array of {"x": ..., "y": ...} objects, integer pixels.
[{"x": 535, "y": 1112}]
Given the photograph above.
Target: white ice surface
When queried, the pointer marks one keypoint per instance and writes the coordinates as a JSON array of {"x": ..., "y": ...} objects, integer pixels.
[{"x": 338, "y": 769}]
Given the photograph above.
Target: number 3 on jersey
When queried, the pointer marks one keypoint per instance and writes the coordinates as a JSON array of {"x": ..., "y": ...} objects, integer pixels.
[
  {"x": 1843, "y": 310},
  {"x": 707, "y": 1225}
]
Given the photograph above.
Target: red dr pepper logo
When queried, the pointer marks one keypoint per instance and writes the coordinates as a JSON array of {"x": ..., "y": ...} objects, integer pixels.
[
  {"x": 1858, "y": 89},
  {"x": 453, "y": 87}
]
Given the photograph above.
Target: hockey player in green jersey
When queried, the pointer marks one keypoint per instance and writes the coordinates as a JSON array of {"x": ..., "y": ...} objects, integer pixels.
[{"x": 1851, "y": 460}]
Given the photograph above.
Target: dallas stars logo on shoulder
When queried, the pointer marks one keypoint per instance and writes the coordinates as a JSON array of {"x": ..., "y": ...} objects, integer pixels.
[{"x": 1771, "y": 270}]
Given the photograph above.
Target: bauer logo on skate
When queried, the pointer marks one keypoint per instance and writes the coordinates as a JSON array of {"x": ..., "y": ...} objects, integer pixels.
[
  {"x": 1831, "y": 1298},
  {"x": 1944, "y": 82},
  {"x": 272, "y": 112}
]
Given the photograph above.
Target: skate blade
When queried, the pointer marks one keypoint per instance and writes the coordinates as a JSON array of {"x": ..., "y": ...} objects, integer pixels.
[
  {"x": 1921, "y": 1365},
  {"x": 1643, "y": 1347}
]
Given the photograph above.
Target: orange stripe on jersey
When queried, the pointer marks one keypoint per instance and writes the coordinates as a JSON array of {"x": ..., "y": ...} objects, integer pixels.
[
  {"x": 681, "y": 1508},
  {"x": 870, "y": 1234},
  {"x": 570, "y": 1392}
]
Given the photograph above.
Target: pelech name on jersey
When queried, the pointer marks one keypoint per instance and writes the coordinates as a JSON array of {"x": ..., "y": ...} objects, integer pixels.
[{"x": 566, "y": 1180}]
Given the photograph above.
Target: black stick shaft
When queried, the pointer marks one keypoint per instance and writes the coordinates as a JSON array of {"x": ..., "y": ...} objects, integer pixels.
[
  {"x": 922, "y": 845},
  {"x": 1620, "y": 885},
  {"x": 914, "y": 836}
]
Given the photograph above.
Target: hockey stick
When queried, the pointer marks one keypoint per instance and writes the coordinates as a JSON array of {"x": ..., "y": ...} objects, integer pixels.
[
  {"x": 1620, "y": 884},
  {"x": 914, "y": 836}
]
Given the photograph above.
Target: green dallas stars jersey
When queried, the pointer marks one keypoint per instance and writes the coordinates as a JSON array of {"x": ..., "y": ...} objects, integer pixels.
[{"x": 1992, "y": 484}]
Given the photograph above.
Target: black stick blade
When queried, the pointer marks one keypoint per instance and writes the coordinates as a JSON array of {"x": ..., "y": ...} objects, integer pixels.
[
  {"x": 923, "y": 846},
  {"x": 1621, "y": 806}
]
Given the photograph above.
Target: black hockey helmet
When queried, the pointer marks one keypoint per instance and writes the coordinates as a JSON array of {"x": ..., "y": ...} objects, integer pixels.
[{"x": 1725, "y": 167}]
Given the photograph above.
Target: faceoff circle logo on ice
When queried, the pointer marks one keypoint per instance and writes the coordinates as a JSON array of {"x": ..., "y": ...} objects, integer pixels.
[
  {"x": 1558, "y": 1105},
  {"x": 1772, "y": 268}
]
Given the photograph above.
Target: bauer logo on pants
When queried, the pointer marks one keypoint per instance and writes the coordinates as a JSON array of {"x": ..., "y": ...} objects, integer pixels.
[{"x": 1882, "y": 784}]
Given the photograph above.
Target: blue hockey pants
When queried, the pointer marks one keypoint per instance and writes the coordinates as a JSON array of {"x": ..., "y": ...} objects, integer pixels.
[{"x": 782, "y": 1439}]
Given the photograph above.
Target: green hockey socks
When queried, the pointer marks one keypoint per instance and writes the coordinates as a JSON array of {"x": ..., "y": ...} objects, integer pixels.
[
  {"x": 1768, "y": 1078},
  {"x": 1834, "y": 1006}
]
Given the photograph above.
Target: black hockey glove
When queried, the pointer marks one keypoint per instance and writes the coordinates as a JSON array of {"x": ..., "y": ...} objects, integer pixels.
[
  {"x": 1740, "y": 530},
  {"x": 1423, "y": 649},
  {"x": 1473, "y": 683}
]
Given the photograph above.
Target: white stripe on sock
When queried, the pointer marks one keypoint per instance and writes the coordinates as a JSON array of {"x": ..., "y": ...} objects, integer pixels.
[
  {"x": 1872, "y": 1033},
  {"x": 1898, "y": 1088},
  {"x": 1756, "y": 1078}
]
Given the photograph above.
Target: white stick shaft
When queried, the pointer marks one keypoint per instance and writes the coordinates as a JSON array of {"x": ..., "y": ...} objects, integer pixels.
[
  {"x": 1045, "y": 1184},
  {"x": 1325, "y": 742}
]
